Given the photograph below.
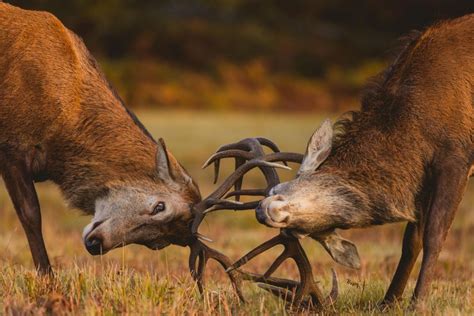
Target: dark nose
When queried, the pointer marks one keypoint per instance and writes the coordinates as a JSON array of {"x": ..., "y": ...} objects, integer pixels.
[
  {"x": 260, "y": 214},
  {"x": 94, "y": 246}
]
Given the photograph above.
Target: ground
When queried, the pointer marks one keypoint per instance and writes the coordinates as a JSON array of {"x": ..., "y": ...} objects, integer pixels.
[{"x": 135, "y": 280}]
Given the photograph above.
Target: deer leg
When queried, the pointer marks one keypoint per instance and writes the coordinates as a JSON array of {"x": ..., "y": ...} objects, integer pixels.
[
  {"x": 20, "y": 186},
  {"x": 450, "y": 186},
  {"x": 412, "y": 243}
]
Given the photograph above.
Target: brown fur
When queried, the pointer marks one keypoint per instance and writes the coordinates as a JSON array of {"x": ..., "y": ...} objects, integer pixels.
[
  {"x": 419, "y": 108},
  {"x": 63, "y": 121},
  {"x": 409, "y": 149},
  {"x": 405, "y": 156},
  {"x": 54, "y": 97}
]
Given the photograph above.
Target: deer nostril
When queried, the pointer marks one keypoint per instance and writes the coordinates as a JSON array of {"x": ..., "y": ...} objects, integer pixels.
[
  {"x": 94, "y": 245},
  {"x": 96, "y": 224}
]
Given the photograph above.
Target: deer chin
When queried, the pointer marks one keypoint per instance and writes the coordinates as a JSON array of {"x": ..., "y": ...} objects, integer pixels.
[
  {"x": 157, "y": 244},
  {"x": 296, "y": 233},
  {"x": 266, "y": 219}
]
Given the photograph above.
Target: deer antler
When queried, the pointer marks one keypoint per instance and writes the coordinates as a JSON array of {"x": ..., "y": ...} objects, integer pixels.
[
  {"x": 248, "y": 154},
  {"x": 303, "y": 294}
]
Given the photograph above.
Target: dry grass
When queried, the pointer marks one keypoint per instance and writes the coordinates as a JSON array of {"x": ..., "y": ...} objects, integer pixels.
[{"x": 134, "y": 280}]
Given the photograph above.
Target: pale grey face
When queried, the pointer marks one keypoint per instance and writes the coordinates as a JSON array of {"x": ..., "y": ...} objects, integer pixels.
[
  {"x": 309, "y": 204},
  {"x": 148, "y": 216},
  {"x": 146, "y": 213},
  {"x": 306, "y": 204},
  {"x": 314, "y": 203}
]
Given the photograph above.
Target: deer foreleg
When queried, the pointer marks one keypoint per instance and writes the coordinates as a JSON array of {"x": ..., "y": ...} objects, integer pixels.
[
  {"x": 451, "y": 180},
  {"x": 412, "y": 243},
  {"x": 19, "y": 182}
]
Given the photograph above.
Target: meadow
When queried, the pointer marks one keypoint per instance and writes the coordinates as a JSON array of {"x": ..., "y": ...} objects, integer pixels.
[{"x": 135, "y": 280}]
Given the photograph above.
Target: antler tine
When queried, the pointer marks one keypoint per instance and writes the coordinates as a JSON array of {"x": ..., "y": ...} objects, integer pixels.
[
  {"x": 242, "y": 151},
  {"x": 286, "y": 290},
  {"x": 277, "y": 156},
  {"x": 270, "y": 144},
  {"x": 225, "y": 186},
  {"x": 248, "y": 154},
  {"x": 255, "y": 252},
  {"x": 200, "y": 255},
  {"x": 274, "y": 157},
  {"x": 274, "y": 281},
  {"x": 233, "y": 150},
  {"x": 248, "y": 192},
  {"x": 294, "y": 293},
  {"x": 238, "y": 184},
  {"x": 285, "y": 156},
  {"x": 226, "y": 154},
  {"x": 229, "y": 182},
  {"x": 227, "y": 205}
]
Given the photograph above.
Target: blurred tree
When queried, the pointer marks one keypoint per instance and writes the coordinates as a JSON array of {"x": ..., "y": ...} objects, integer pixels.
[
  {"x": 303, "y": 38},
  {"x": 301, "y": 35}
]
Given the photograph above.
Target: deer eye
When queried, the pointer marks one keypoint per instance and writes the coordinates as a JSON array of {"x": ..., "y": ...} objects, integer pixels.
[
  {"x": 159, "y": 207},
  {"x": 272, "y": 191}
]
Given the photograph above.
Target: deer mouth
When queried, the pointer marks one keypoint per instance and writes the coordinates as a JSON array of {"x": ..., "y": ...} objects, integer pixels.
[
  {"x": 273, "y": 211},
  {"x": 96, "y": 240},
  {"x": 93, "y": 241},
  {"x": 271, "y": 219},
  {"x": 157, "y": 244}
]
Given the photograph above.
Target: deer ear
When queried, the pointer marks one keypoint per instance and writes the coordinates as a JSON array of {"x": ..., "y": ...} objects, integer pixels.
[
  {"x": 163, "y": 166},
  {"x": 318, "y": 149},
  {"x": 341, "y": 250},
  {"x": 168, "y": 167}
]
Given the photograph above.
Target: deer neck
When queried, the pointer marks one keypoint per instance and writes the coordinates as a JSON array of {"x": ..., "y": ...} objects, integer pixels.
[
  {"x": 382, "y": 180},
  {"x": 102, "y": 144}
]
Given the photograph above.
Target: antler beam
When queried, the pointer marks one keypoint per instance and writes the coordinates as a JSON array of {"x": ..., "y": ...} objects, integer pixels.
[
  {"x": 304, "y": 294},
  {"x": 248, "y": 154}
]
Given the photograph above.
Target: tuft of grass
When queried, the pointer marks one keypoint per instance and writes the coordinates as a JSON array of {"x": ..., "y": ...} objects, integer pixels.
[{"x": 135, "y": 280}]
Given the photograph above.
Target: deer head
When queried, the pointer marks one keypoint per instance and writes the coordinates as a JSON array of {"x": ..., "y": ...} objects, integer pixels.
[
  {"x": 314, "y": 203},
  {"x": 151, "y": 213},
  {"x": 305, "y": 293}
]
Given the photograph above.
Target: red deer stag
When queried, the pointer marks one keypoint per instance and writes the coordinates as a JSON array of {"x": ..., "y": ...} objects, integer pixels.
[
  {"x": 249, "y": 153},
  {"x": 405, "y": 156},
  {"x": 60, "y": 120}
]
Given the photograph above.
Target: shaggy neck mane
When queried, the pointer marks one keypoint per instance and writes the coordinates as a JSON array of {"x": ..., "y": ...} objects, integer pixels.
[{"x": 370, "y": 151}]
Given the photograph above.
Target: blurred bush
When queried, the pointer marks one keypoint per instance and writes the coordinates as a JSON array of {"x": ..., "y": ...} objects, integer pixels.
[
  {"x": 240, "y": 54},
  {"x": 249, "y": 86}
]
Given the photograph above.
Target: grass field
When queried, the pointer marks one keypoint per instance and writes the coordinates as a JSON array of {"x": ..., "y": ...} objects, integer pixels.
[{"x": 135, "y": 280}]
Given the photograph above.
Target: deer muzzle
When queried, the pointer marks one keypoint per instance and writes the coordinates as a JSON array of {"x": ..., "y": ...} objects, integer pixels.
[
  {"x": 273, "y": 212},
  {"x": 93, "y": 241}
]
